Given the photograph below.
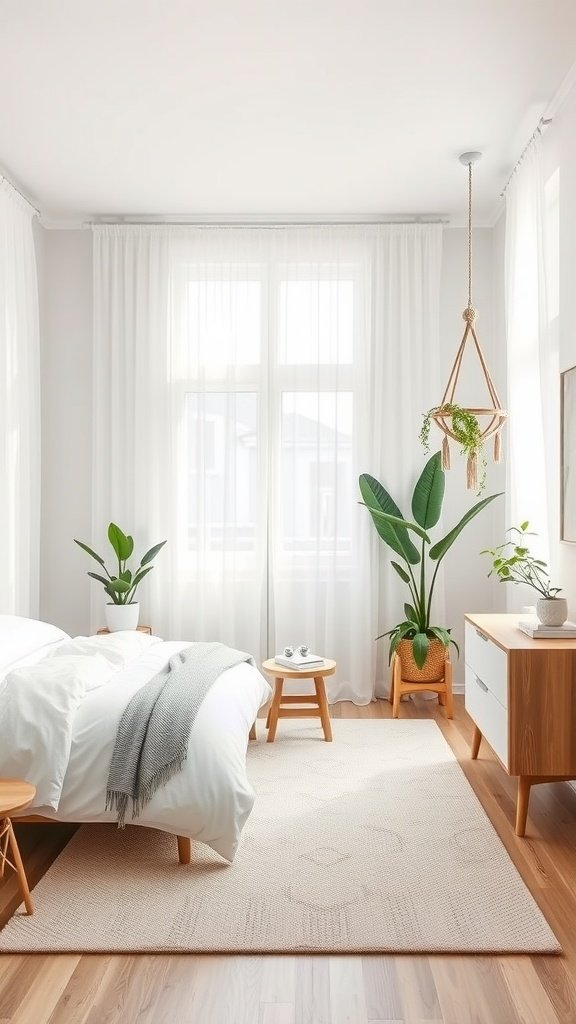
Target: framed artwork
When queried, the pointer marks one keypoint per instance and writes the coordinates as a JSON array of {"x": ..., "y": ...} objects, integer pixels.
[{"x": 568, "y": 456}]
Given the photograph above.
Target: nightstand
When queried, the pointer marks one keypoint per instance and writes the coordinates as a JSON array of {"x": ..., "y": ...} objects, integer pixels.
[
  {"x": 318, "y": 702},
  {"x": 15, "y": 795},
  {"x": 139, "y": 629}
]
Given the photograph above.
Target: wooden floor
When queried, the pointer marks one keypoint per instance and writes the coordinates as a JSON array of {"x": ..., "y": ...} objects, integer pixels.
[{"x": 93, "y": 989}]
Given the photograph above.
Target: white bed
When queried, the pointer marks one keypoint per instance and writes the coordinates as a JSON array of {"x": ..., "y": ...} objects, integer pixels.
[{"x": 60, "y": 704}]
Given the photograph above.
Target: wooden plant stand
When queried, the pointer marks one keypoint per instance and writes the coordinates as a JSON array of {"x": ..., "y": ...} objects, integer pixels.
[{"x": 399, "y": 686}]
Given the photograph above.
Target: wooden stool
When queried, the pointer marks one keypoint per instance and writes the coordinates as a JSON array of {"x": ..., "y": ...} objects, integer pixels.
[
  {"x": 443, "y": 687},
  {"x": 319, "y": 708},
  {"x": 14, "y": 796}
]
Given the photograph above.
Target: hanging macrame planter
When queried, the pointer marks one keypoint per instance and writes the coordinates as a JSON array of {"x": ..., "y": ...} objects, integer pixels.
[{"x": 467, "y": 426}]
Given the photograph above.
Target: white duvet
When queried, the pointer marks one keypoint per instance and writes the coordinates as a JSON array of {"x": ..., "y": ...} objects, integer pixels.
[{"x": 58, "y": 722}]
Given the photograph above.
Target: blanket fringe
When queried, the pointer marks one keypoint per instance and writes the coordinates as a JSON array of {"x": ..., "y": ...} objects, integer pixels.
[{"x": 118, "y": 801}]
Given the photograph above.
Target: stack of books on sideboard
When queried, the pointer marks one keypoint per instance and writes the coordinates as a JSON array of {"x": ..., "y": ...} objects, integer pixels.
[{"x": 538, "y": 631}]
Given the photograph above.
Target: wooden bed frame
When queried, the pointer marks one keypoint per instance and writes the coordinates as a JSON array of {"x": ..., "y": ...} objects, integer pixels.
[{"x": 184, "y": 844}]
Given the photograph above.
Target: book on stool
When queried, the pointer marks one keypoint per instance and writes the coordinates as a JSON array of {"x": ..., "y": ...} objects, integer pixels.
[{"x": 299, "y": 662}]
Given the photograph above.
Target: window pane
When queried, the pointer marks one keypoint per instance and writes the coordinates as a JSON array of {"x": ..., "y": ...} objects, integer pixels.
[
  {"x": 223, "y": 322},
  {"x": 316, "y": 321},
  {"x": 316, "y": 471},
  {"x": 222, "y": 471}
]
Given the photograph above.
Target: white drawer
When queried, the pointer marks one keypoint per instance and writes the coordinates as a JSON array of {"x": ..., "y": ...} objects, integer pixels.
[
  {"x": 487, "y": 661},
  {"x": 488, "y": 714}
]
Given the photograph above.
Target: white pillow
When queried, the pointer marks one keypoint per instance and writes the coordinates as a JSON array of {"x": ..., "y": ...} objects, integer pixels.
[
  {"x": 117, "y": 648},
  {"x": 20, "y": 637}
]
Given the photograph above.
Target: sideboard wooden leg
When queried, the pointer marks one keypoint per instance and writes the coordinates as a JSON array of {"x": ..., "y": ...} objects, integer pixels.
[
  {"x": 476, "y": 739},
  {"x": 522, "y": 801}
]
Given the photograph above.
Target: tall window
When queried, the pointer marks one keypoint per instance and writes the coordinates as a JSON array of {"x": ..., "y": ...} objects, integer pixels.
[
  {"x": 266, "y": 357},
  {"x": 244, "y": 378}
]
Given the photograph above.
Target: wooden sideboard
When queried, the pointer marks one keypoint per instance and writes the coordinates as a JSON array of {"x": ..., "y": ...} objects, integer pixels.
[{"x": 521, "y": 696}]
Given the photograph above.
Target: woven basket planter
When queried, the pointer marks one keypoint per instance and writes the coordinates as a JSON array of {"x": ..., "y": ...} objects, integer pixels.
[{"x": 433, "y": 667}]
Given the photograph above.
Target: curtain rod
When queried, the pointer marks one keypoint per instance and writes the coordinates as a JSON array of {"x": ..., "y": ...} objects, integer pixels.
[
  {"x": 542, "y": 123},
  {"x": 124, "y": 222},
  {"x": 22, "y": 194}
]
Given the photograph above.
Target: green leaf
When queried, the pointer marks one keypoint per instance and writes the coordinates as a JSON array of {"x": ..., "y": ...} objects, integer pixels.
[
  {"x": 420, "y": 645},
  {"x": 126, "y": 576},
  {"x": 376, "y": 497},
  {"x": 524, "y": 526},
  {"x": 152, "y": 553},
  {"x": 396, "y": 521},
  {"x": 101, "y": 579},
  {"x": 130, "y": 546},
  {"x": 439, "y": 549},
  {"x": 429, "y": 493},
  {"x": 401, "y": 634},
  {"x": 118, "y": 586},
  {"x": 410, "y": 613},
  {"x": 401, "y": 572},
  {"x": 141, "y": 574},
  {"x": 112, "y": 593},
  {"x": 440, "y": 634},
  {"x": 119, "y": 542},
  {"x": 89, "y": 551}
]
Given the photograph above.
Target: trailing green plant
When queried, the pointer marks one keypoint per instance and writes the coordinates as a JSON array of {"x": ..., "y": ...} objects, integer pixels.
[
  {"x": 513, "y": 563},
  {"x": 396, "y": 532},
  {"x": 467, "y": 430},
  {"x": 121, "y": 587}
]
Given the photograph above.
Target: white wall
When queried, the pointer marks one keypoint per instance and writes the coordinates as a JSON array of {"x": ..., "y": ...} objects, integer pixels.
[
  {"x": 560, "y": 151},
  {"x": 66, "y": 315},
  {"x": 65, "y": 272}
]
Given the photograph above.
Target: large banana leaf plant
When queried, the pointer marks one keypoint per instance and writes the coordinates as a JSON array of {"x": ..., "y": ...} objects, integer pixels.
[
  {"x": 397, "y": 532},
  {"x": 121, "y": 586}
]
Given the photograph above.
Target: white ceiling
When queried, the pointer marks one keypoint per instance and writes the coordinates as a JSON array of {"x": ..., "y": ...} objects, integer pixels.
[{"x": 248, "y": 107}]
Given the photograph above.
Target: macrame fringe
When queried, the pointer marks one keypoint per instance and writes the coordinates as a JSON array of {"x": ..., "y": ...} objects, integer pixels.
[
  {"x": 445, "y": 453},
  {"x": 472, "y": 472},
  {"x": 497, "y": 447}
]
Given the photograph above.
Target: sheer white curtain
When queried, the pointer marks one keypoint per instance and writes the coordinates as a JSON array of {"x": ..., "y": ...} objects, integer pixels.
[
  {"x": 243, "y": 380},
  {"x": 533, "y": 390},
  {"x": 19, "y": 408}
]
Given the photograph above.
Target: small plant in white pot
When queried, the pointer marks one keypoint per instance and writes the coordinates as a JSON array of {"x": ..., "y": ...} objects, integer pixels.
[
  {"x": 513, "y": 563},
  {"x": 122, "y": 611}
]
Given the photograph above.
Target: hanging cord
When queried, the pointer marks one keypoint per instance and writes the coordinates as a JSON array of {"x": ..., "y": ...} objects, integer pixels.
[{"x": 470, "y": 236}]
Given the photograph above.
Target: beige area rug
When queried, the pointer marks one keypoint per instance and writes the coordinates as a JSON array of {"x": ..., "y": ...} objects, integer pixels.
[{"x": 375, "y": 842}]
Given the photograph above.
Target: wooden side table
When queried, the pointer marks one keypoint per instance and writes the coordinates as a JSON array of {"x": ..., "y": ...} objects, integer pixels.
[
  {"x": 443, "y": 687},
  {"x": 15, "y": 795},
  {"x": 318, "y": 702},
  {"x": 139, "y": 629}
]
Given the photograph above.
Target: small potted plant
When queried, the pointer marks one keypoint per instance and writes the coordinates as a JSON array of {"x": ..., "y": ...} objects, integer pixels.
[
  {"x": 466, "y": 430},
  {"x": 421, "y": 646},
  {"x": 122, "y": 611},
  {"x": 513, "y": 563}
]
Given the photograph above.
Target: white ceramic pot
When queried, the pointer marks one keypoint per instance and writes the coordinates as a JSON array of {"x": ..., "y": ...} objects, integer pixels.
[
  {"x": 552, "y": 611},
  {"x": 122, "y": 616}
]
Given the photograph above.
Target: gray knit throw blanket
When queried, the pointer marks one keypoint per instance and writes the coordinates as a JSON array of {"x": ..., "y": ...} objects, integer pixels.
[{"x": 152, "y": 740}]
